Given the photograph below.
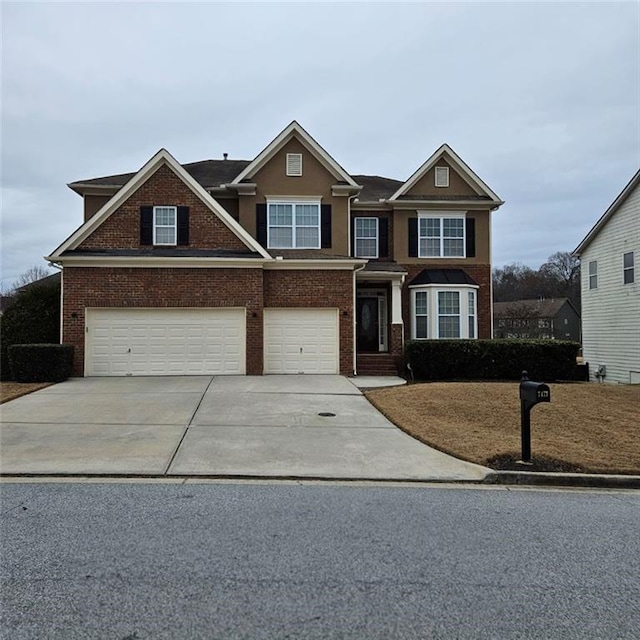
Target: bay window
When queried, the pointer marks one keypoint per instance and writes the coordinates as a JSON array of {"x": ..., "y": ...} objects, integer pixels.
[{"x": 439, "y": 312}]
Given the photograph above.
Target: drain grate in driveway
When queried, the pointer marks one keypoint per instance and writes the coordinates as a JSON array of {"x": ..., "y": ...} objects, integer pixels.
[{"x": 327, "y": 414}]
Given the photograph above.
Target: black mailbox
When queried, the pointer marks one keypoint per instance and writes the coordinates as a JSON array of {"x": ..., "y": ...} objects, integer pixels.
[
  {"x": 534, "y": 392},
  {"x": 530, "y": 394}
]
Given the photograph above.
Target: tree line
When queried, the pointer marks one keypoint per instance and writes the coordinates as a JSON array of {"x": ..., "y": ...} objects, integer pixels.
[{"x": 558, "y": 277}]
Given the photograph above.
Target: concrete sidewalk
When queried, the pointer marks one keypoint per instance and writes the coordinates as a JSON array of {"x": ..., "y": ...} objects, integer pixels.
[{"x": 263, "y": 427}]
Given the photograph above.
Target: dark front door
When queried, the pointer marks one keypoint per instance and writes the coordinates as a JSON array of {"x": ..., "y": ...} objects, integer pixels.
[{"x": 367, "y": 335}]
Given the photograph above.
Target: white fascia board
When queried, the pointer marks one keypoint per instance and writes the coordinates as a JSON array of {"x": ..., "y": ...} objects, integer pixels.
[
  {"x": 294, "y": 129},
  {"x": 330, "y": 265},
  {"x": 467, "y": 205},
  {"x": 145, "y": 262},
  {"x": 604, "y": 218},
  {"x": 444, "y": 287},
  {"x": 381, "y": 275},
  {"x": 160, "y": 158},
  {"x": 459, "y": 164}
]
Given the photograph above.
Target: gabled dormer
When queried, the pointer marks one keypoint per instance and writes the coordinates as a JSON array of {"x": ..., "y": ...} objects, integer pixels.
[{"x": 294, "y": 196}]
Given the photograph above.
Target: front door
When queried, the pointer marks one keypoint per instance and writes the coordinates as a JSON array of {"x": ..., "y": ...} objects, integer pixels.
[{"x": 367, "y": 319}]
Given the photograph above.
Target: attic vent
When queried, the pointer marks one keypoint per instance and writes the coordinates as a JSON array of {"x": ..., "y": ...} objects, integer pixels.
[
  {"x": 294, "y": 164},
  {"x": 442, "y": 176}
]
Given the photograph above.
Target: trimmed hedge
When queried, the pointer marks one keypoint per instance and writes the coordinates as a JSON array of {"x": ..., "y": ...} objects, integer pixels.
[
  {"x": 546, "y": 360},
  {"x": 41, "y": 362},
  {"x": 33, "y": 318}
]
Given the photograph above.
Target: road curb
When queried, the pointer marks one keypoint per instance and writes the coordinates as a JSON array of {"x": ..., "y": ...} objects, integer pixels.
[{"x": 591, "y": 480}]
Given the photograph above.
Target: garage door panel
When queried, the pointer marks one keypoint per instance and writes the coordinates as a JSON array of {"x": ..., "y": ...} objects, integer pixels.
[
  {"x": 165, "y": 341},
  {"x": 301, "y": 340}
]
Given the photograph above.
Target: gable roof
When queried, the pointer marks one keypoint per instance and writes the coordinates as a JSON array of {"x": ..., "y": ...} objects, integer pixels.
[
  {"x": 163, "y": 157},
  {"x": 294, "y": 130},
  {"x": 608, "y": 214},
  {"x": 210, "y": 174},
  {"x": 474, "y": 181},
  {"x": 546, "y": 308}
]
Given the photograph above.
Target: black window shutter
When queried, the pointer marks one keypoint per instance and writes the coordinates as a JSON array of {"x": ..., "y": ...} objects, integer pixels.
[
  {"x": 183, "y": 225},
  {"x": 261, "y": 224},
  {"x": 146, "y": 225},
  {"x": 470, "y": 234},
  {"x": 353, "y": 237},
  {"x": 413, "y": 237},
  {"x": 383, "y": 238},
  {"x": 325, "y": 226}
]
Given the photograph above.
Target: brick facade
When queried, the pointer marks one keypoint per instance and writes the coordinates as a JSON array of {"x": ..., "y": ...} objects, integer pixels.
[
  {"x": 121, "y": 229},
  {"x": 252, "y": 289},
  {"x": 135, "y": 288},
  {"x": 321, "y": 288}
]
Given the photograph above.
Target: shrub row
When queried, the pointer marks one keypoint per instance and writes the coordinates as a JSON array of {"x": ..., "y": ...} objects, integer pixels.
[
  {"x": 41, "y": 362},
  {"x": 546, "y": 360}
]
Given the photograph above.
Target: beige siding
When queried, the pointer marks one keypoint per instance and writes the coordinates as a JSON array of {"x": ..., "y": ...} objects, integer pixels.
[{"x": 611, "y": 313}]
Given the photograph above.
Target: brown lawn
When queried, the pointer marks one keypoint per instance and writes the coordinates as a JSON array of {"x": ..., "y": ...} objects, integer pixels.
[
  {"x": 13, "y": 390},
  {"x": 586, "y": 427}
]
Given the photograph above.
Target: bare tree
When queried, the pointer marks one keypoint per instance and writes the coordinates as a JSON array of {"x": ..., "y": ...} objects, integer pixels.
[{"x": 31, "y": 275}]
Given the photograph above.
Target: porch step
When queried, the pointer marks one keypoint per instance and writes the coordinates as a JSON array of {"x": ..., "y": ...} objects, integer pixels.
[{"x": 376, "y": 364}]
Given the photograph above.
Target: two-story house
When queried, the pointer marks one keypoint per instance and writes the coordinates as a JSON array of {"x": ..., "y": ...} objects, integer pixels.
[
  {"x": 609, "y": 256},
  {"x": 543, "y": 319},
  {"x": 281, "y": 264}
]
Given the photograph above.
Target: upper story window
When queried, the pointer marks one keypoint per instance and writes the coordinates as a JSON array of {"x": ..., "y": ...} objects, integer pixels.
[
  {"x": 293, "y": 225},
  {"x": 441, "y": 237},
  {"x": 294, "y": 164},
  {"x": 165, "y": 225},
  {"x": 593, "y": 274},
  {"x": 442, "y": 177},
  {"x": 628, "y": 268},
  {"x": 366, "y": 237}
]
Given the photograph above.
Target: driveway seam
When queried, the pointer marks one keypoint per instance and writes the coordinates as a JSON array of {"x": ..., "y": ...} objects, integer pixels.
[{"x": 184, "y": 433}]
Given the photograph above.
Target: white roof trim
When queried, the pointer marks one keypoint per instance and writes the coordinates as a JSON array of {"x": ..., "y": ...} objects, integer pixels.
[
  {"x": 604, "y": 218},
  {"x": 294, "y": 130},
  {"x": 145, "y": 262},
  {"x": 163, "y": 157},
  {"x": 328, "y": 265},
  {"x": 461, "y": 167}
]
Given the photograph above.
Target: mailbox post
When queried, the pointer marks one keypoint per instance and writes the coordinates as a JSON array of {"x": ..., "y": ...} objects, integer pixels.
[{"x": 530, "y": 394}]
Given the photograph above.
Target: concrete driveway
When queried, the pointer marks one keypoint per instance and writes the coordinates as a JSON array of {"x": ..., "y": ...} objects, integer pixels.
[{"x": 262, "y": 426}]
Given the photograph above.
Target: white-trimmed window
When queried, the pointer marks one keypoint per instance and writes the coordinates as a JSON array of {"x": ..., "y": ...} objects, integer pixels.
[
  {"x": 441, "y": 236},
  {"x": 293, "y": 225},
  {"x": 444, "y": 312},
  {"x": 294, "y": 164},
  {"x": 471, "y": 314},
  {"x": 421, "y": 315},
  {"x": 165, "y": 225},
  {"x": 593, "y": 274},
  {"x": 628, "y": 268},
  {"x": 366, "y": 237},
  {"x": 442, "y": 177},
  {"x": 449, "y": 314}
]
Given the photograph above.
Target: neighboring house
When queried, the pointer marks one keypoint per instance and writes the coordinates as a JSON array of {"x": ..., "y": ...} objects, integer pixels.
[
  {"x": 282, "y": 264},
  {"x": 550, "y": 319},
  {"x": 610, "y": 257},
  {"x": 48, "y": 281}
]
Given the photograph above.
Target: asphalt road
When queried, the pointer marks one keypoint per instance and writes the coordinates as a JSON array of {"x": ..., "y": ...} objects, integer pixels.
[{"x": 222, "y": 560}]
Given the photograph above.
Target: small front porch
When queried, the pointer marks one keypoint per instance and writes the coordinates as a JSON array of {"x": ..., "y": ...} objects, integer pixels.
[{"x": 378, "y": 316}]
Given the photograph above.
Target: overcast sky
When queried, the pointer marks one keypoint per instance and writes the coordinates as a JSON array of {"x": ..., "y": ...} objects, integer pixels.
[{"x": 542, "y": 100}]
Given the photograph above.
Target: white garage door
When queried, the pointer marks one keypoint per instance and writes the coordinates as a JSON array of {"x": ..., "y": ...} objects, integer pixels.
[
  {"x": 301, "y": 341},
  {"x": 164, "y": 342}
]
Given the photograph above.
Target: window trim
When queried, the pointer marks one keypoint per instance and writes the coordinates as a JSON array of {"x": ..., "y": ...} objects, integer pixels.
[
  {"x": 294, "y": 203},
  {"x": 630, "y": 269},
  {"x": 472, "y": 313},
  {"x": 441, "y": 216},
  {"x": 432, "y": 291},
  {"x": 443, "y": 171},
  {"x": 376, "y": 238},
  {"x": 593, "y": 274},
  {"x": 174, "y": 226}
]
